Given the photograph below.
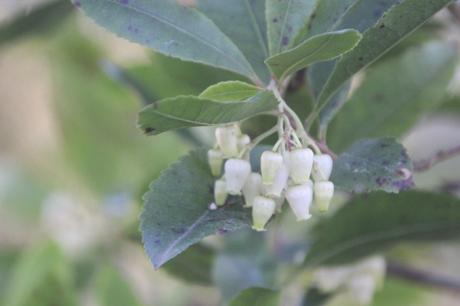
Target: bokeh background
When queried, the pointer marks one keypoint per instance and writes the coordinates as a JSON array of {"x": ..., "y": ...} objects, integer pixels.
[{"x": 73, "y": 166}]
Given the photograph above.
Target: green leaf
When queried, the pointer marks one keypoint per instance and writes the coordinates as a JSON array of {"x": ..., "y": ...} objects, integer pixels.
[
  {"x": 188, "y": 111},
  {"x": 176, "y": 213},
  {"x": 243, "y": 21},
  {"x": 112, "y": 289},
  {"x": 394, "y": 95},
  {"x": 285, "y": 19},
  {"x": 315, "y": 49},
  {"x": 373, "y": 164},
  {"x": 256, "y": 297},
  {"x": 194, "y": 265},
  {"x": 372, "y": 223},
  {"x": 230, "y": 91},
  {"x": 170, "y": 28},
  {"x": 40, "y": 20},
  {"x": 396, "y": 23},
  {"x": 332, "y": 108}
]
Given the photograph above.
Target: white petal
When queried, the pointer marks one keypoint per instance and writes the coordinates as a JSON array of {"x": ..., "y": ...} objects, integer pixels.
[
  {"x": 236, "y": 173},
  {"x": 300, "y": 198},
  {"x": 252, "y": 188},
  {"x": 270, "y": 163},
  {"x": 322, "y": 167},
  {"x": 227, "y": 140},
  {"x": 262, "y": 210},
  {"x": 324, "y": 192},
  {"x": 279, "y": 182},
  {"x": 300, "y": 163}
]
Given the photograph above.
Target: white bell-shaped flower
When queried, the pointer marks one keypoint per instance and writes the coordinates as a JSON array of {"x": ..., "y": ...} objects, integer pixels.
[
  {"x": 236, "y": 173},
  {"x": 270, "y": 163},
  {"x": 300, "y": 163},
  {"x": 323, "y": 195},
  {"x": 252, "y": 188},
  {"x": 227, "y": 140},
  {"x": 300, "y": 198},
  {"x": 279, "y": 183},
  {"x": 220, "y": 192},
  {"x": 262, "y": 210},
  {"x": 322, "y": 167},
  {"x": 243, "y": 141},
  {"x": 215, "y": 160}
]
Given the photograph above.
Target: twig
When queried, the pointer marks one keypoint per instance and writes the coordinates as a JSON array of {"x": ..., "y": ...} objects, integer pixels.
[
  {"x": 426, "y": 164},
  {"x": 423, "y": 277}
]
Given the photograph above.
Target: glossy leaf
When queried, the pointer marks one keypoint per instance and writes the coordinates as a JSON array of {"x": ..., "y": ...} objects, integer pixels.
[
  {"x": 176, "y": 213},
  {"x": 398, "y": 22},
  {"x": 375, "y": 222},
  {"x": 256, "y": 297},
  {"x": 318, "y": 48},
  {"x": 243, "y": 21},
  {"x": 230, "y": 91},
  {"x": 194, "y": 265},
  {"x": 395, "y": 94},
  {"x": 188, "y": 111},
  {"x": 170, "y": 28},
  {"x": 373, "y": 164},
  {"x": 285, "y": 20}
]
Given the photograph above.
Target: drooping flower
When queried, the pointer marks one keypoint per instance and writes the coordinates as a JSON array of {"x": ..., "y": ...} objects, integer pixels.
[
  {"x": 300, "y": 198},
  {"x": 262, "y": 210},
  {"x": 236, "y": 173}
]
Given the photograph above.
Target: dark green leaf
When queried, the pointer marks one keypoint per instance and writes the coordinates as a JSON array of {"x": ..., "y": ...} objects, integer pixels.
[
  {"x": 372, "y": 223},
  {"x": 332, "y": 108},
  {"x": 176, "y": 213},
  {"x": 230, "y": 91},
  {"x": 40, "y": 20},
  {"x": 243, "y": 21},
  {"x": 398, "y": 22},
  {"x": 373, "y": 164},
  {"x": 285, "y": 20},
  {"x": 188, "y": 111},
  {"x": 170, "y": 28},
  {"x": 256, "y": 297},
  {"x": 394, "y": 95},
  {"x": 315, "y": 49},
  {"x": 194, "y": 265},
  {"x": 112, "y": 289}
]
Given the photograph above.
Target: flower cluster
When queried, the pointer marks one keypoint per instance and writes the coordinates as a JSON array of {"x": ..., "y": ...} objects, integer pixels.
[{"x": 288, "y": 172}]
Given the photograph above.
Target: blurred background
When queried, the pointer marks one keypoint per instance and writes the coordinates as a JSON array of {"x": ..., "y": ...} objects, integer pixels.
[{"x": 73, "y": 165}]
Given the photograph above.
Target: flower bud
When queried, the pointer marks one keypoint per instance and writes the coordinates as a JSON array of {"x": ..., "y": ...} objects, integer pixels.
[
  {"x": 236, "y": 173},
  {"x": 227, "y": 140},
  {"x": 220, "y": 192},
  {"x": 279, "y": 183},
  {"x": 215, "y": 160},
  {"x": 252, "y": 188},
  {"x": 322, "y": 167},
  {"x": 262, "y": 210},
  {"x": 323, "y": 195},
  {"x": 300, "y": 163},
  {"x": 243, "y": 141},
  {"x": 270, "y": 163},
  {"x": 299, "y": 198}
]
